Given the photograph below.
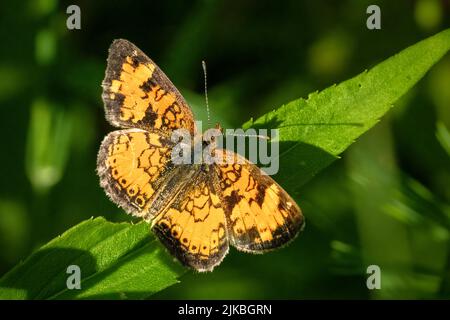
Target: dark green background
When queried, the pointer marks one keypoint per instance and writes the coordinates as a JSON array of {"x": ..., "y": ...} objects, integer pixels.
[{"x": 386, "y": 202}]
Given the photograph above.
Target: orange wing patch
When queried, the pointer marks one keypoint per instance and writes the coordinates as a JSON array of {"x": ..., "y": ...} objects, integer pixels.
[
  {"x": 137, "y": 94},
  {"x": 261, "y": 215},
  {"x": 193, "y": 226},
  {"x": 131, "y": 165}
]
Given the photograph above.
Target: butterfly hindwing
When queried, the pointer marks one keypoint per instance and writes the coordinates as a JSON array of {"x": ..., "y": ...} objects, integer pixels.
[
  {"x": 193, "y": 226},
  {"x": 137, "y": 94},
  {"x": 133, "y": 166}
]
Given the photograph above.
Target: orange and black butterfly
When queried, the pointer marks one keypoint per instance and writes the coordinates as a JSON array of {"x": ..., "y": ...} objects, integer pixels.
[{"x": 196, "y": 210}]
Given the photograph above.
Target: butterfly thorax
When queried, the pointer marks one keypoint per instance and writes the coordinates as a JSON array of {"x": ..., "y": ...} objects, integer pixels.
[{"x": 204, "y": 146}]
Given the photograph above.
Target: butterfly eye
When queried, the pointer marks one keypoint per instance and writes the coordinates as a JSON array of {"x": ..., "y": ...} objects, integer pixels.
[{"x": 213, "y": 138}]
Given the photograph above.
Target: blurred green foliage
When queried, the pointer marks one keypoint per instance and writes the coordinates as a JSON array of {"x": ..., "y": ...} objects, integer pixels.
[{"x": 385, "y": 202}]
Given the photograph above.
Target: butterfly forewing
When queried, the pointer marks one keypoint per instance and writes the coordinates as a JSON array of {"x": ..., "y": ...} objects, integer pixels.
[
  {"x": 260, "y": 214},
  {"x": 137, "y": 94}
]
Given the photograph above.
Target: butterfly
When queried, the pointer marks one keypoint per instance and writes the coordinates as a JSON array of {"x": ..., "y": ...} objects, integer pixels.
[{"x": 196, "y": 210}]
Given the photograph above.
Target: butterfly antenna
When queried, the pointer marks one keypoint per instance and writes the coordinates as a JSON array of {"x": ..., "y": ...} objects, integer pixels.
[
  {"x": 260, "y": 136},
  {"x": 206, "y": 92},
  {"x": 207, "y": 108}
]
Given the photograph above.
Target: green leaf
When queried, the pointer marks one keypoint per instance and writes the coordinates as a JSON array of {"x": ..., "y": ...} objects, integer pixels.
[
  {"x": 313, "y": 132},
  {"x": 117, "y": 260}
]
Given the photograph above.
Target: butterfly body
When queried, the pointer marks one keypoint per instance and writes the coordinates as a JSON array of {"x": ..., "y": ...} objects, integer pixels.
[{"x": 196, "y": 209}]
